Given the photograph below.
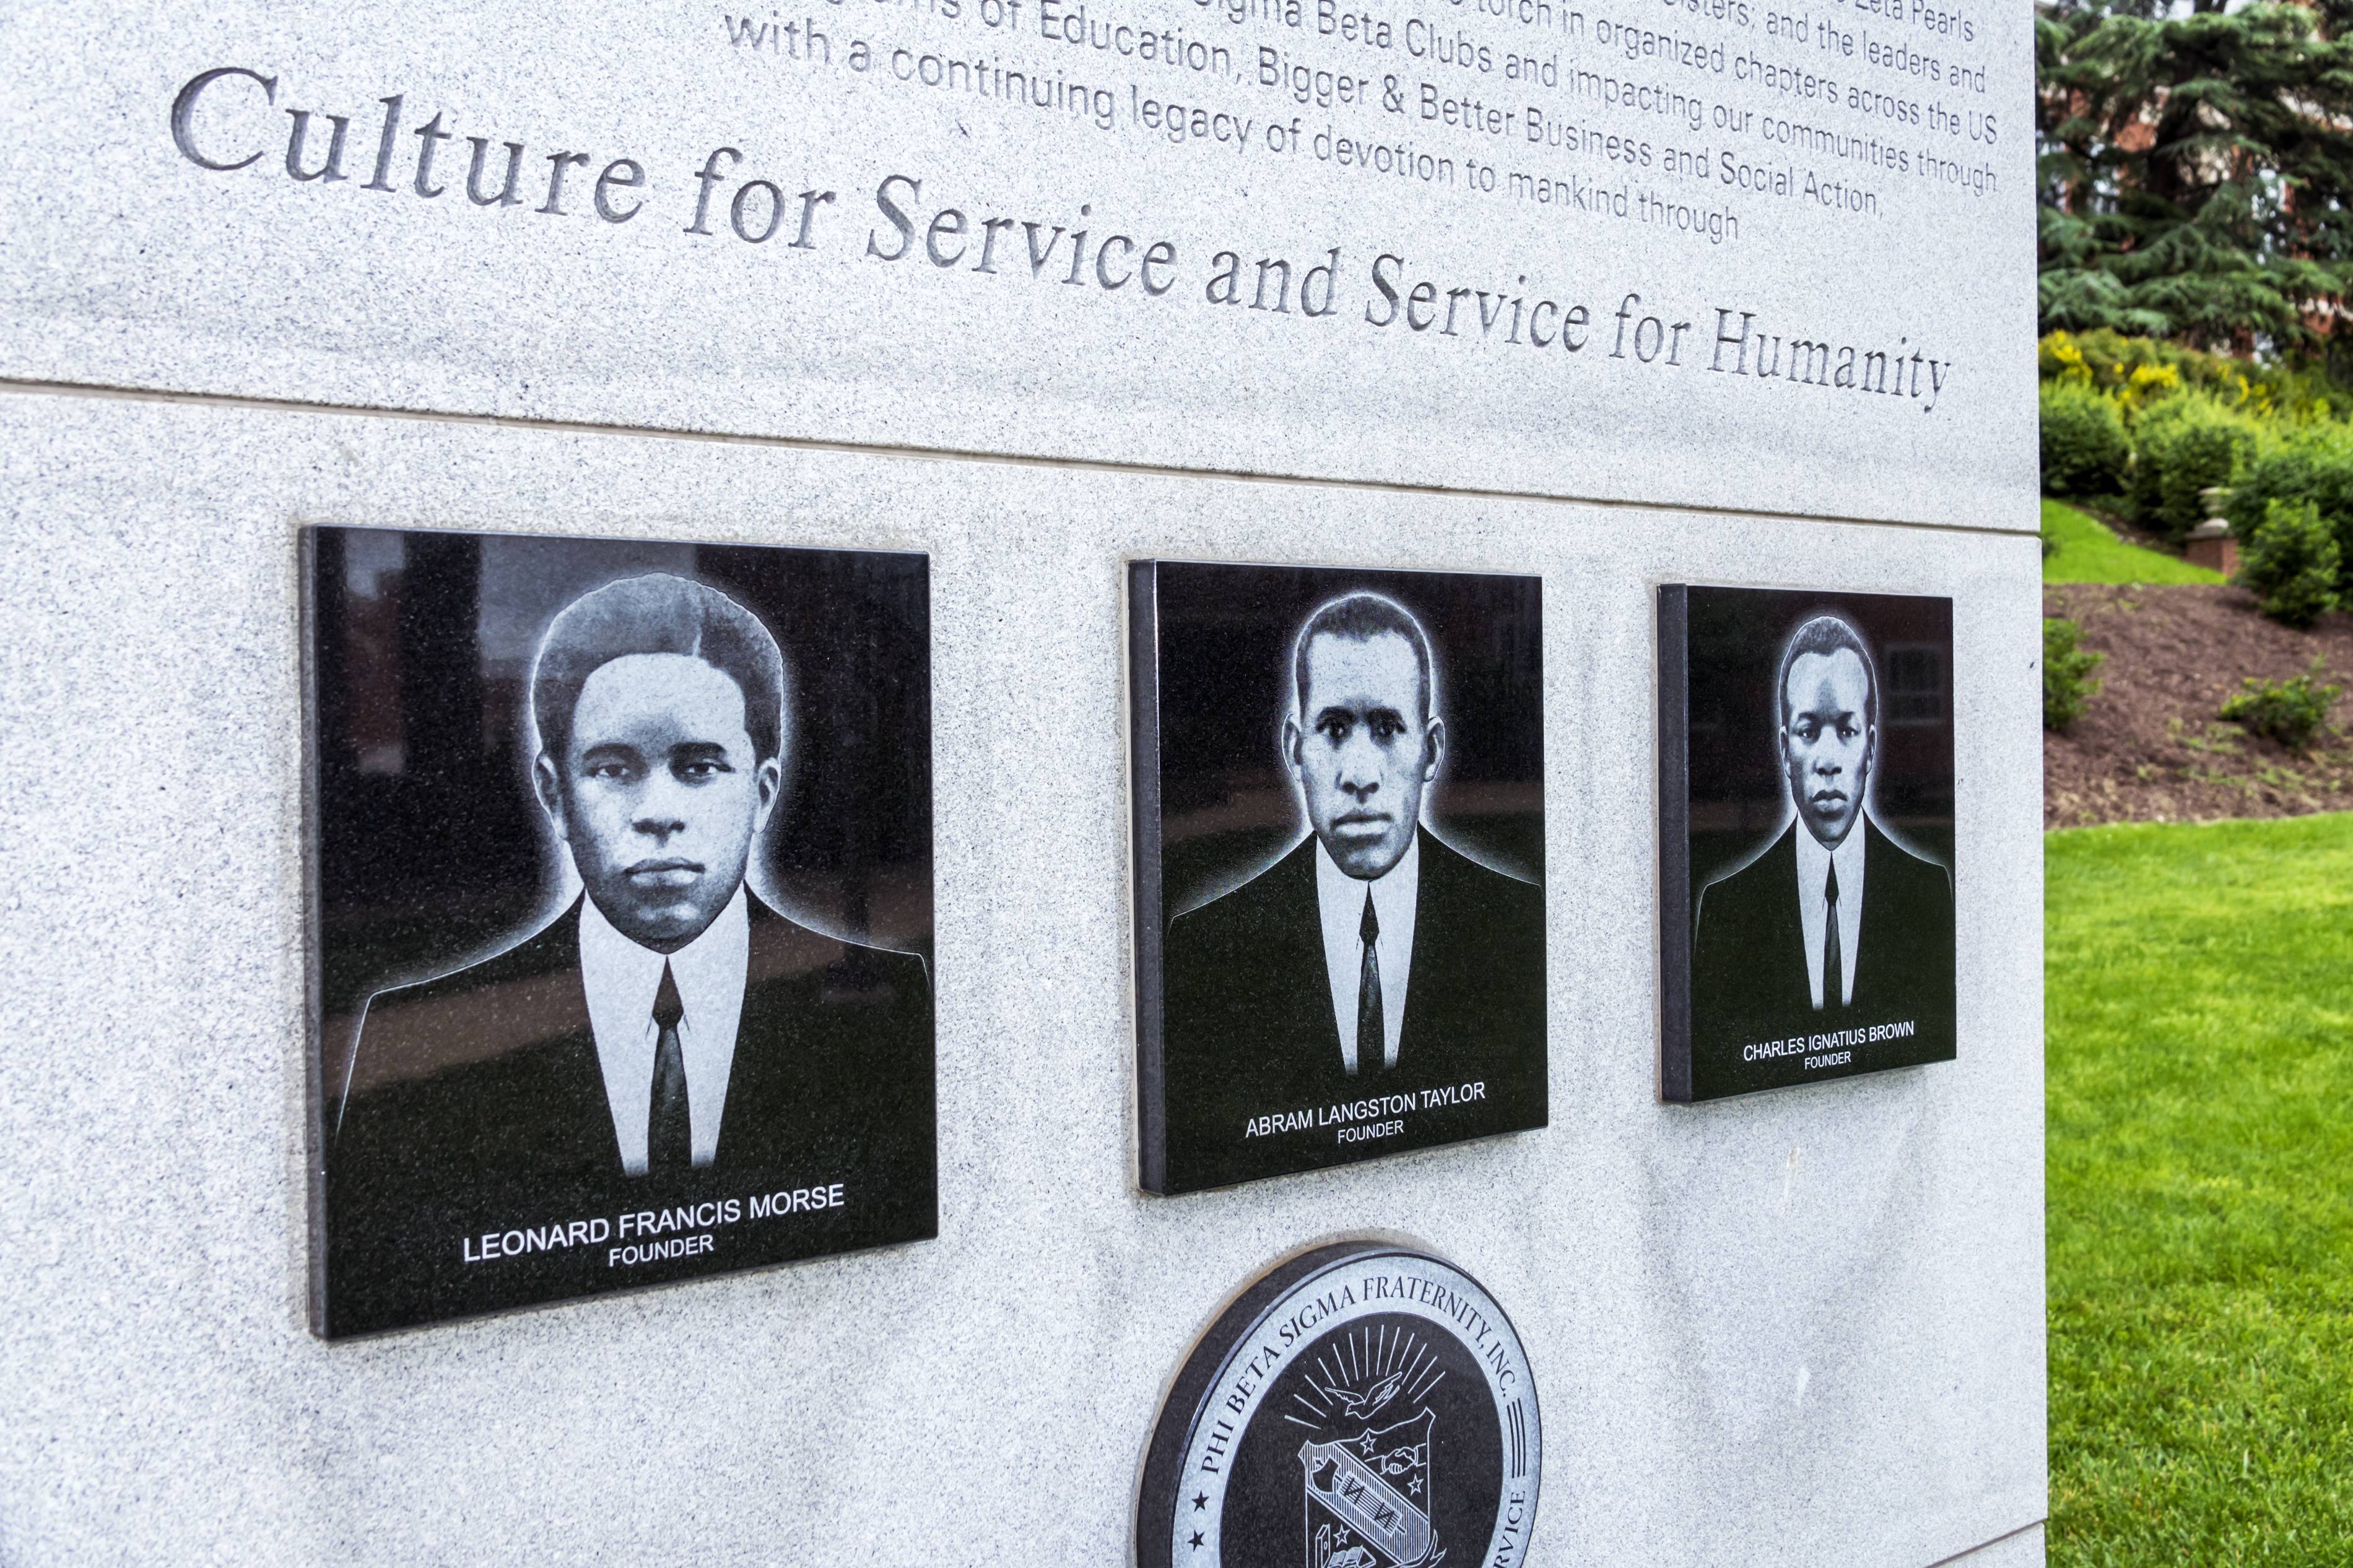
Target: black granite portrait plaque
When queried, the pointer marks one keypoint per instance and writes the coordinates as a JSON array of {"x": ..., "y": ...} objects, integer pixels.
[
  {"x": 1339, "y": 863},
  {"x": 622, "y": 889},
  {"x": 1806, "y": 837},
  {"x": 1362, "y": 1404}
]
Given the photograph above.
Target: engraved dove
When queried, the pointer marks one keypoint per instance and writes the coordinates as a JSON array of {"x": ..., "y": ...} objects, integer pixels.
[{"x": 1363, "y": 1406}]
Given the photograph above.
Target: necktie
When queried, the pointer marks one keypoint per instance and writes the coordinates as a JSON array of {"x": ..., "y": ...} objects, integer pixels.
[
  {"x": 1833, "y": 969},
  {"x": 670, "y": 1133},
  {"x": 1372, "y": 1030}
]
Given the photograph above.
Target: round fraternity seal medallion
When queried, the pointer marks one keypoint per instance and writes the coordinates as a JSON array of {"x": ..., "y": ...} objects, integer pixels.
[{"x": 1360, "y": 1405}]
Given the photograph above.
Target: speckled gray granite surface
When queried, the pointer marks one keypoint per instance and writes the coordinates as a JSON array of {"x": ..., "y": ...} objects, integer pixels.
[
  {"x": 1794, "y": 1329},
  {"x": 2022, "y": 1549},
  {"x": 1848, "y": 177}
]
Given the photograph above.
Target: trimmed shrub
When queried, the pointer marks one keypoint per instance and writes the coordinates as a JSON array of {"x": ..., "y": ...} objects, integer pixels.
[
  {"x": 2181, "y": 446},
  {"x": 2204, "y": 453},
  {"x": 2290, "y": 712},
  {"x": 2291, "y": 561},
  {"x": 2315, "y": 465},
  {"x": 2083, "y": 441},
  {"x": 2068, "y": 683},
  {"x": 2152, "y": 434},
  {"x": 2083, "y": 446}
]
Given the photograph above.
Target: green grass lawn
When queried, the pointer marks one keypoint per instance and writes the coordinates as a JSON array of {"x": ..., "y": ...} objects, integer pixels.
[
  {"x": 2201, "y": 1160},
  {"x": 2090, "y": 552}
]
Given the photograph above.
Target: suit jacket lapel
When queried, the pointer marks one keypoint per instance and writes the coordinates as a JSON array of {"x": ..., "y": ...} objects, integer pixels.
[
  {"x": 1433, "y": 952},
  {"x": 1304, "y": 922},
  {"x": 574, "y": 1063},
  {"x": 570, "y": 1123},
  {"x": 1784, "y": 896},
  {"x": 1879, "y": 944},
  {"x": 769, "y": 1075}
]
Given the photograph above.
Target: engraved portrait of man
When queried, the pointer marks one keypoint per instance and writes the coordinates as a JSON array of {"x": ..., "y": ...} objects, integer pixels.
[
  {"x": 668, "y": 1042},
  {"x": 1373, "y": 958},
  {"x": 1835, "y": 924}
]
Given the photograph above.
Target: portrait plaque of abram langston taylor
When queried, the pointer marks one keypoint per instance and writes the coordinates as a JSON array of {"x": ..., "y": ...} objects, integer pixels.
[
  {"x": 1339, "y": 862},
  {"x": 1806, "y": 839},
  {"x": 622, "y": 861}
]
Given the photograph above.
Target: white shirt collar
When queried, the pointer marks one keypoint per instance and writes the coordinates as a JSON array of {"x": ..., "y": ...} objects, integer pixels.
[
  {"x": 1813, "y": 908},
  {"x": 622, "y": 978},
  {"x": 1340, "y": 898}
]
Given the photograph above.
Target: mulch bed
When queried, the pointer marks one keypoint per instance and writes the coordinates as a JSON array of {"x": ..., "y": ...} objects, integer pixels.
[{"x": 2151, "y": 747}]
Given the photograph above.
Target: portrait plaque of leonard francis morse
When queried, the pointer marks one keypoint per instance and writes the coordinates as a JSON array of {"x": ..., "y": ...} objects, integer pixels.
[
  {"x": 1338, "y": 800},
  {"x": 1806, "y": 837},
  {"x": 622, "y": 860}
]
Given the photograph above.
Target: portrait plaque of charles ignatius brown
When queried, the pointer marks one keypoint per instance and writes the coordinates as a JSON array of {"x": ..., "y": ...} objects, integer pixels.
[
  {"x": 622, "y": 914},
  {"x": 1338, "y": 802},
  {"x": 1806, "y": 837}
]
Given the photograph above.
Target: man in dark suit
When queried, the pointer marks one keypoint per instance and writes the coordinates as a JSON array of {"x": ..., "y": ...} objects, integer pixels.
[
  {"x": 672, "y": 1078},
  {"x": 1835, "y": 927},
  {"x": 1372, "y": 962}
]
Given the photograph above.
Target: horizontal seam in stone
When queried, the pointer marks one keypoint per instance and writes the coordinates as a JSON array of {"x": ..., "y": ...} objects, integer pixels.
[{"x": 940, "y": 454}]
